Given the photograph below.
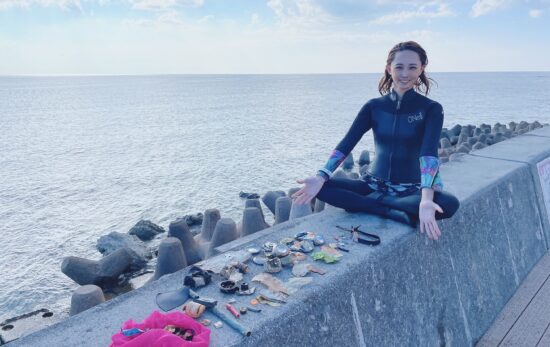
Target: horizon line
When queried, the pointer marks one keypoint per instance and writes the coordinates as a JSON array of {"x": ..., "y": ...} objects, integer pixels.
[{"x": 252, "y": 74}]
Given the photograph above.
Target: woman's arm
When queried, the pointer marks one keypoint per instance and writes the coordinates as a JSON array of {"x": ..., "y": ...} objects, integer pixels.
[{"x": 430, "y": 178}]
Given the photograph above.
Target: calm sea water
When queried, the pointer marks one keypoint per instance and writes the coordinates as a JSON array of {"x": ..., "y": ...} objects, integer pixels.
[{"x": 84, "y": 156}]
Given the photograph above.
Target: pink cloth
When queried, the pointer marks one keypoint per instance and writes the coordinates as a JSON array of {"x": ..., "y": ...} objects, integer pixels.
[{"x": 156, "y": 336}]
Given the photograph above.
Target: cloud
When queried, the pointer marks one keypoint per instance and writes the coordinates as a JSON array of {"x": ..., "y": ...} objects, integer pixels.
[
  {"x": 482, "y": 7},
  {"x": 429, "y": 10},
  {"x": 153, "y": 5},
  {"x": 298, "y": 12},
  {"x": 535, "y": 13},
  {"x": 64, "y": 4}
]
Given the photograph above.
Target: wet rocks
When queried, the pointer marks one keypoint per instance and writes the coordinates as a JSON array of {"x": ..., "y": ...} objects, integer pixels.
[
  {"x": 113, "y": 241},
  {"x": 146, "y": 230}
]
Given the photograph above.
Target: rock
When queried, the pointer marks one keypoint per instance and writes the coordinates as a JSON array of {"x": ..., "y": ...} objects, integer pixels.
[
  {"x": 256, "y": 203},
  {"x": 512, "y": 126},
  {"x": 211, "y": 217},
  {"x": 180, "y": 230},
  {"x": 282, "y": 209},
  {"x": 248, "y": 195},
  {"x": 445, "y": 143},
  {"x": 478, "y": 145},
  {"x": 109, "y": 243},
  {"x": 482, "y": 138},
  {"x": 319, "y": 206},
  {"x": 339, "y": 174},
  {"x": 472, "y": 140},
  {"x": 463, "y": 148},
  {"x": 477, "y": 131},
  {"x": 455, "y": 131},
  {"x": 499, "y": 137},
  {"x": 252, "y": 221},
  {"x": 522, "y": 131},
  {"x": 454, "y": 140},
  {"x": 192, "y": 219},
  {"x": 348, "y": 162},
  {"x": 270, "y": 197},
  {"x": 456, "y": 156},
  {"x": 364, "y": 158},
  {"x": 353, "y": 175},
  {"x": 442, "y": 152},
  {"x": 462, "y": 138},
  {"x": 363, "y": 170},
  {"x": 298, "y": 211},
  {"x": 171, "y": 258},
  {"x": 508, "y": 134},
  {"x": 85, "y": 297},
  {"x": 103, "y": 272},
  {"x": 290, "y": 192},
  {"x": 443, "y": 159},
  {"x": 146, "y": 230},
  {"x": 226, "y": 231}
]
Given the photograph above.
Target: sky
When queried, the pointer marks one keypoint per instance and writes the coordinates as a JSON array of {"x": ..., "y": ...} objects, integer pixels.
[{"x": 87, "y": 37}]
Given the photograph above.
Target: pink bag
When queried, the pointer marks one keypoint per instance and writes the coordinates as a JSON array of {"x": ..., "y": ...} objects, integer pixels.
[{"x": 156, "y": 336}]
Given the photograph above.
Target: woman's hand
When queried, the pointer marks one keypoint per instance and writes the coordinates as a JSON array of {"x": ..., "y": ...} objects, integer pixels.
[
  {"x": 312, "y": 186},
  {"x": 426, "y": 213}
]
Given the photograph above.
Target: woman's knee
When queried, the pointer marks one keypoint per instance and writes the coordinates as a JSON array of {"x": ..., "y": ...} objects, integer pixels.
[{"x": 448, "y": 202}]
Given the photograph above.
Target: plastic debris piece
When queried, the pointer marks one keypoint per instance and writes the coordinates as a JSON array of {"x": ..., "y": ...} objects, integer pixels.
[
  {"x": 269, "y": 246},
  {"x": 131, "y": 332},
  {"x": 296, "y": 246},
  {"x": 273, "y": 265},
  {"x": 287, "y": 260},
  {"x": 259, "y": 260},
  {"x": 216, "y": 264},
  {"x": 331, "y": 251},
  {"x": 318, "y": 240},
  {"x": 294, "y": 284},
  {"x": 205, "y": 322},
  {"x": 218, "y": 324},
  {"x": 300, "y": 269},
  {"x": 253, "y": 250},
  {"x": 307, "y": 246},
  {"x": 232, "y": 310},
  {"x": 193, "y": 309},
  {"x": 254, "y": 302},
  {"x": 316, "y": 270},
  {"x": 298, "y": 257},
  {"x": 243, "y": 310},
  {"x": 327, "y": 258},
  {"x": 272, "y": 283},
  {"x": 281, "y": 250},
  {"x": 231, "y": 301},
  {"x": 286, "y": 241},
  {"x": 254, "y": 309},
  {"x": 249, "y": 291}
]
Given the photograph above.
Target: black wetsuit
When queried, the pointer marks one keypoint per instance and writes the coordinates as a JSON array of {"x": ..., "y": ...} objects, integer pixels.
[{"x": 404, "y": 130}]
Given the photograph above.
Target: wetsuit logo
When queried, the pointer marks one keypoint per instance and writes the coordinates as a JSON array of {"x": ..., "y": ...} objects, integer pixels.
[{"x": 415, "y": 117}]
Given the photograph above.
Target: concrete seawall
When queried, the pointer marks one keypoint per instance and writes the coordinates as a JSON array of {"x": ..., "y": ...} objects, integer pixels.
[{"x": 407, "y": 291}]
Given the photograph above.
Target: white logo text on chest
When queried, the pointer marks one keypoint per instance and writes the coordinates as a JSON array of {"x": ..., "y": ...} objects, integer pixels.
[{"x": 415, "y": 117}]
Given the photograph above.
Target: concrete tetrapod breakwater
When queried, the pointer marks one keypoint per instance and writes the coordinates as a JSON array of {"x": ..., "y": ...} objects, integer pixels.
[{"x": 408, "y": 291}]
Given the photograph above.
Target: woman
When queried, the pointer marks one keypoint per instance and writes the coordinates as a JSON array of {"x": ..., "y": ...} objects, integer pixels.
[{"x": 403, "y": 182}]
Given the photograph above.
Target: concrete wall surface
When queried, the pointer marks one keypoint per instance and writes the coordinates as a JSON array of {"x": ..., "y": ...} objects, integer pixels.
[{"x": 408, "y": 291}]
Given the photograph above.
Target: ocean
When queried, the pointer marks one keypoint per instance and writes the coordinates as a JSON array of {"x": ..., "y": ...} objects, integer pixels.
[{"x": 83, "y": 156}]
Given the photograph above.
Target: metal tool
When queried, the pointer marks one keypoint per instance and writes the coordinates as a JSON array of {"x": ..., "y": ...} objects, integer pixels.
[{"x": 362, "y": 237}]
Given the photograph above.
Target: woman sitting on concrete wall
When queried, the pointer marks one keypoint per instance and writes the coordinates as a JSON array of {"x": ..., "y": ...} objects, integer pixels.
[{"x": 403, "y": 182}]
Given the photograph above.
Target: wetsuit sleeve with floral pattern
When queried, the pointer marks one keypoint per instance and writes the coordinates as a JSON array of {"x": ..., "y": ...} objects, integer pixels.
[
  {"x": 360, "y": 126},
  {"x": 429, "y": 162}
]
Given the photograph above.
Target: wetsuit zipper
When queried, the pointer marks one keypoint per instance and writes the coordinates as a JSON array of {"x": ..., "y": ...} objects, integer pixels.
[{"x": 393, "y": 135}]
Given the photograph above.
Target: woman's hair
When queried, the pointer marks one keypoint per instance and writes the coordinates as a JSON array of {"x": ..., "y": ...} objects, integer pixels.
[{"x": 422, "y": 84}]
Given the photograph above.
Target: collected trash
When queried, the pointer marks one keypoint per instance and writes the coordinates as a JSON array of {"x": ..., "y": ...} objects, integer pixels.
[
  {"x": 362, "y": 237},
  {"x": 300, "y": 269},
  {"x": 193, "y": 309},
  {"x": 197, "y": 277},
  {"x": 231, "y": 309},
  {"x": 272, "y": 283},
  {"x": 173, "y": 329}
]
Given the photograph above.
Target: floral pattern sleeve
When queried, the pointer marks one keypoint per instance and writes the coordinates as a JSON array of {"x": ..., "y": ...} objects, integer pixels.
[
  {"x": 429, "y": 173},
  {"x": 336, "y": 158}
]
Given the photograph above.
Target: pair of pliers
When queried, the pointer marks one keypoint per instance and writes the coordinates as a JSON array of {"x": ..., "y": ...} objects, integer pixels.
[{"x": 362, "y": 237}]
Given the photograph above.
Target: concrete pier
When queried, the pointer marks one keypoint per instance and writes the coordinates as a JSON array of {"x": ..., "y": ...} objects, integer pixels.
[{"x": 408, "y": 291}]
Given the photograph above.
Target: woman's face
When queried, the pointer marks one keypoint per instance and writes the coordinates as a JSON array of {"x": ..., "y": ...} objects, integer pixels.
[{"x": 405, "y": 70}]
